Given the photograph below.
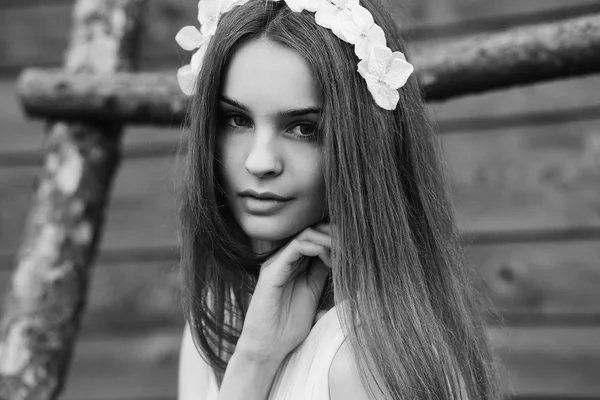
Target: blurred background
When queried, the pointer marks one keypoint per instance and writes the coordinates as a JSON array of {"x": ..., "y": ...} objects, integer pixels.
[{"x": 525, "y": 173}]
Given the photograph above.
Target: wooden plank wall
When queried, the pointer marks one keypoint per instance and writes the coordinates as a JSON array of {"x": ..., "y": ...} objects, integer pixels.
[{"x": 523, "y": 161}]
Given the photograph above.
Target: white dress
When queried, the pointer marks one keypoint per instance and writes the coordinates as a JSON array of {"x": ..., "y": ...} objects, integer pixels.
[{"x": 304, "y": 373}]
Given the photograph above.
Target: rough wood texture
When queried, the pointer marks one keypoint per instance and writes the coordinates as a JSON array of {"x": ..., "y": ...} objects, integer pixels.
[
  {"x": 521, "y": 56},
  {"x": 144, "y": 98},
  {"x": 49, "y": 286}
]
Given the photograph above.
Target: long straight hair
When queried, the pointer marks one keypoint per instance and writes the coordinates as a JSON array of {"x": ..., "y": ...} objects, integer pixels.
[{"x": 421, "y": 332}]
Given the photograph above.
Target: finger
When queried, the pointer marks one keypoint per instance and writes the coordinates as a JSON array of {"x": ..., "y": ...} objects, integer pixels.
[
  {"x": 312, "y": 235},
  {"x": 309, "y": 234},
  {"x": 322, "y": 239},
  {"x": 324, "y": 227},
  {"x": 275, "y": 256},
  {"x": 318, "y": 250},
  {"x": 310, "y": 248},
  {"x": 300, "y": 258},
  {"x": 295, "y": 259},
  {"x": 325, "y": 256}
]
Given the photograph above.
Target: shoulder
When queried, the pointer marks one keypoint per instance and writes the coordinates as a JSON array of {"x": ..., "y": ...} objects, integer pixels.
[{"x": 344, "y": 380}]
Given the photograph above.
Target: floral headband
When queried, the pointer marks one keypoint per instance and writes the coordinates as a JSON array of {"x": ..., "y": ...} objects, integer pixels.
[{"x": 384, "y": 71}]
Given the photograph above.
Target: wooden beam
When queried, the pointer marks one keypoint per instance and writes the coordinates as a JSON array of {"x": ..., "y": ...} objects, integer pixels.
[
  {"x": 43, "y": 310},
  {"x": 520, "y": 56}
]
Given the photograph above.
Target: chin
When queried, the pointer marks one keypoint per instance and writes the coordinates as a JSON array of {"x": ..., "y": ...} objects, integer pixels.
[
  {"x": 267, "y": 231},
  {"x": 270, "y": 228}
]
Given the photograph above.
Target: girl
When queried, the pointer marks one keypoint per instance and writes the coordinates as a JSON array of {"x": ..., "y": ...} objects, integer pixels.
[{"x": 320, "y": 257}]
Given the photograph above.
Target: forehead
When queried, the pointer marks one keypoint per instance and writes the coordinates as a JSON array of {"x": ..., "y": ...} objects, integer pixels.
[{"x": 268, "y": 77}]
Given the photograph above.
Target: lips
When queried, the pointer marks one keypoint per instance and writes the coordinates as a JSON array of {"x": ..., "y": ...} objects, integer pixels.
[
  {"x": 263, "y": 195},
  {"x": 264, "y": 203}
]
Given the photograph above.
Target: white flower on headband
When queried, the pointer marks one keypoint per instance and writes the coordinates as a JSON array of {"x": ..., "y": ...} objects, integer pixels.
[
  {"x": 383, "y": 70},
  {"x": 356, "y": 26},
  {"x": 329, "y": 10},
  {"x": 190, "y": 38},
  {"x": 186, "y": 79},
  {"x": 385, "y": 73},
  {"x": 209, "y": 12}
]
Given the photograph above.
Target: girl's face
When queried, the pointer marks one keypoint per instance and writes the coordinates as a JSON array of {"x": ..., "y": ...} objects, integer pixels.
[{"x": 269, "y": 109}]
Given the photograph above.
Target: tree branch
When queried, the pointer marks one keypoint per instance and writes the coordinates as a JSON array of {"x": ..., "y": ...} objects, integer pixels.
[
  {"x": 49, "y": 286},
  {"x": 516, "y": 57}
]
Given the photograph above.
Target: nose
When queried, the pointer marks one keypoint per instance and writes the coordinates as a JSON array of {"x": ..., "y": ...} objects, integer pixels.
[{"x": 263, "y": 160}]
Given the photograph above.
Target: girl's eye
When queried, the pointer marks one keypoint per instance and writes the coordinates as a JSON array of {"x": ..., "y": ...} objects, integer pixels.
[
  {"x": 302, "y": 130},
  {"x": 305, "y": 131},
  {"x": 236, "y": 121}
]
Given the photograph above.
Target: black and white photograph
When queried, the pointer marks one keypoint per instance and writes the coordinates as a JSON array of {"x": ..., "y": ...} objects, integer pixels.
[{"x": 299, "y": 200}]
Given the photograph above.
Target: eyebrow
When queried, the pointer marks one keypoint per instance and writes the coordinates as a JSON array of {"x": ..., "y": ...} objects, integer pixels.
[{"x": 282, "y": 114}]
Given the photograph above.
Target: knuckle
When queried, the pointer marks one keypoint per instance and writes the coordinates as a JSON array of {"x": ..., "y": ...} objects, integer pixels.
[
  {"x": 296, "y": 246},
  {"x": 304, "y": 234}
]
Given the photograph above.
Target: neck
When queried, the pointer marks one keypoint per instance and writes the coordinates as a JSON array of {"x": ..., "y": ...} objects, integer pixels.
[{"x": 262, "y": 246}]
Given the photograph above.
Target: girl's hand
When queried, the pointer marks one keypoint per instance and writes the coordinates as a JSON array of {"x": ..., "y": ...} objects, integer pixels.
[{"x": 284, "y": 303}]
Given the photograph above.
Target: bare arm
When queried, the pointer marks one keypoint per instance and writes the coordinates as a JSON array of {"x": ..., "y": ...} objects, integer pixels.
[{"x": 248, "y": 377}]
